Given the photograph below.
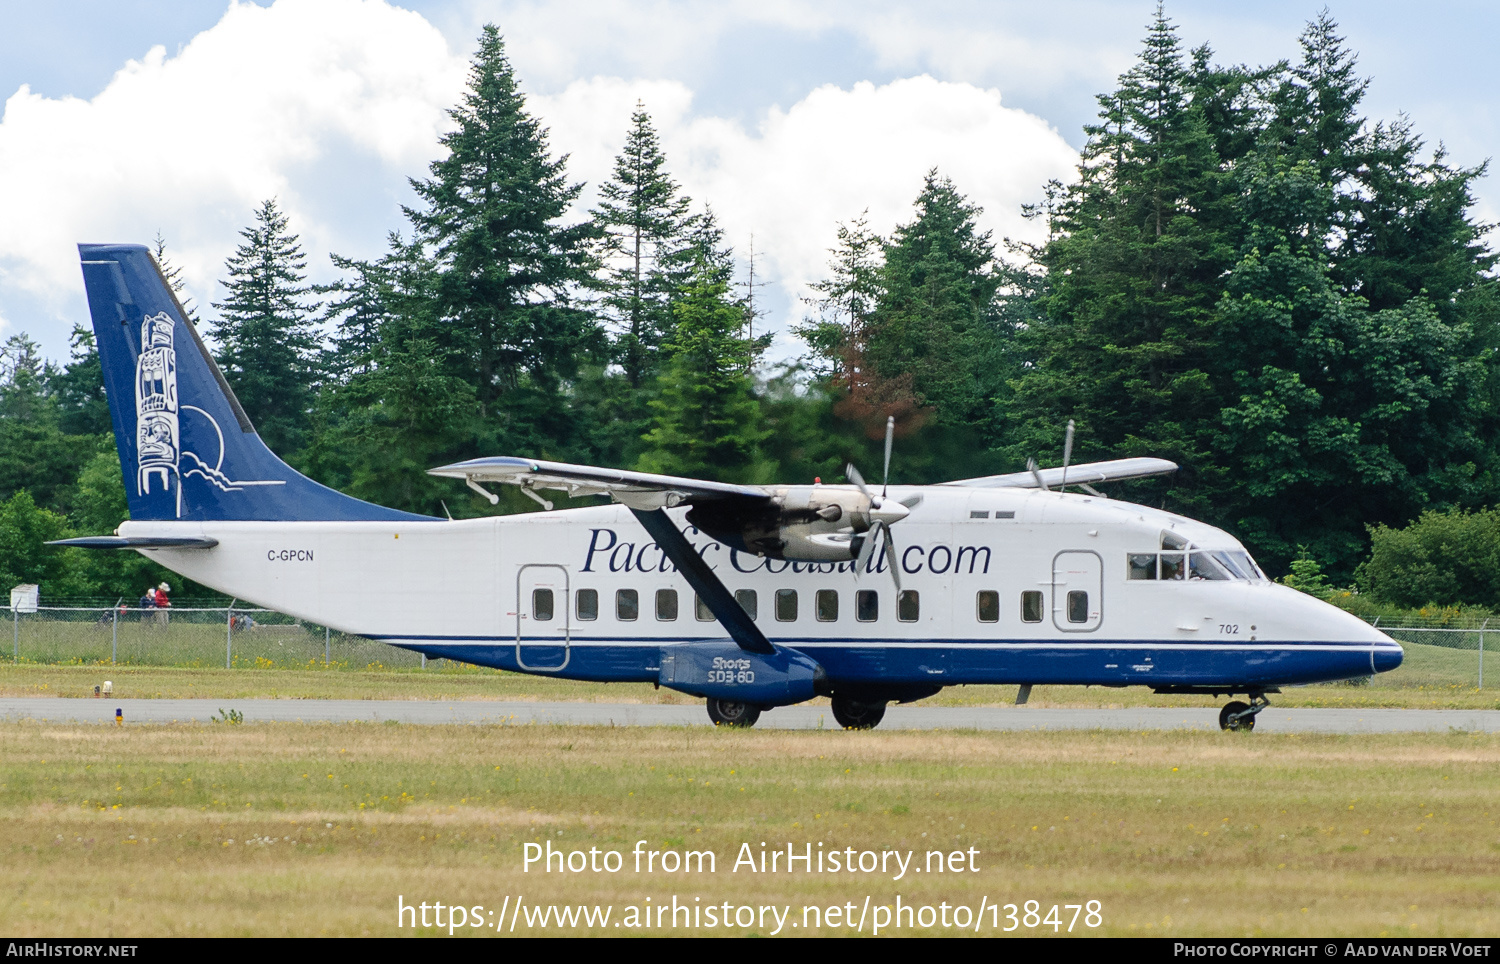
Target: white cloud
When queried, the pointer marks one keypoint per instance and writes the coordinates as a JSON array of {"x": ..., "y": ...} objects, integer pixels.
[
  {"x": 331, "y": 104},
  {"x": 190, "y": 144},
  {"x": 824, "y": 160}
]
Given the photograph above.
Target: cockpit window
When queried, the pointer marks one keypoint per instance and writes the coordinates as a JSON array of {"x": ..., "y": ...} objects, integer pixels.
[
  {"x": 1191, "y": 563},
  {"x": 1202, "y": 566},
  {"x": 1171, "y": 540}
]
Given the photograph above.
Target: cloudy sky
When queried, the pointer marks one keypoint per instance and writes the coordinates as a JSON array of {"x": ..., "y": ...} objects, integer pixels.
[{"x": 125, "y": 118}]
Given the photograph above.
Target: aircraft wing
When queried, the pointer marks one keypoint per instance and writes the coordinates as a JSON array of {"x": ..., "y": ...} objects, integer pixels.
[
  {"x": 638, "y": 490},
  {"x": 1089, "y": 473}
]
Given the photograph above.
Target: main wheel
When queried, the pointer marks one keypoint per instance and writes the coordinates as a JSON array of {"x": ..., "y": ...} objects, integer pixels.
[
  {"x": 730, "y": 713},
  {"x": 1229, "y": 718},
  {"x": 856, "y": 715}
]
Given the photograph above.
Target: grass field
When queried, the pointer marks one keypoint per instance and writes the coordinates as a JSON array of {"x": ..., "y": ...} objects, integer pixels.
[
  {"x": 1432, "y": 677},
  {"x": 284, "y": 829}
]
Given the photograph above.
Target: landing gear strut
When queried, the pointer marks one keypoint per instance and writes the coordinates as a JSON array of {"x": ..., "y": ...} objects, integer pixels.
[
  {"x": 857, "y": 715},
  {"x": 1237, "y": 715},
  {"x": 730, "y": 713}
]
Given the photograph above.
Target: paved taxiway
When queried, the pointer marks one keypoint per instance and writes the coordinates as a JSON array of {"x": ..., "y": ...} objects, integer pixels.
[{"x": 57, "y": 710}]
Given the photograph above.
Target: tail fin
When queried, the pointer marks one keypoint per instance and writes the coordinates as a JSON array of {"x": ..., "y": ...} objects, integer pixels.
[{"x": 187, "y": 448}]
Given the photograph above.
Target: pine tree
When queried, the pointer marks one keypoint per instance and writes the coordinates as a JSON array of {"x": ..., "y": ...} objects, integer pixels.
[
  {"x": 847, "y": 297},
  {"x": 708, "y": 422},
  {"x": 173, "y": 274},
  {"x": 935, "y": 315},
  {"x": 267, "y": 343},
  {"x": 645, "y": 220},
  {"x": 505, "y": 269}
]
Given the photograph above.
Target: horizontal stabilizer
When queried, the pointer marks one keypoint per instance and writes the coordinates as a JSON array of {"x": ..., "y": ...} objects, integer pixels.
[
  {"x": 135, "y": 542},
  {"x": 638, "y": 490},
  {"x": 1090, "y": 473}
]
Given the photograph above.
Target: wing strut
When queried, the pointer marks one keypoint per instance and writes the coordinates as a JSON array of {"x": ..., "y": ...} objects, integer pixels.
[{"x": 718, "y": 599}]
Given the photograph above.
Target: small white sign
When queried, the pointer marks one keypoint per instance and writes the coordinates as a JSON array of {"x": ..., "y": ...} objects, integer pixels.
[{"x": 25, "y": 598}]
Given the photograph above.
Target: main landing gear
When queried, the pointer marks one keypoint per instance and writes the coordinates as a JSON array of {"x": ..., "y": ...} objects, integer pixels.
[
  {"x": 857, "y": 715},
  {"x": 1240, "y": 716},
  {"x": 730, "y": 713}
]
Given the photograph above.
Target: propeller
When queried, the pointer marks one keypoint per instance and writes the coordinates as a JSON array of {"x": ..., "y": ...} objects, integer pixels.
[
  {"x": 884, "y": 512},
  {"x": 1067, "y": 456}
]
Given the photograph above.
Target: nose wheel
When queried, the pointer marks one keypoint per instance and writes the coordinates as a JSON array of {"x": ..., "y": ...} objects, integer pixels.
[
  {"x": 1240, "y": 716},
  {"x": 730, "y": 713}
]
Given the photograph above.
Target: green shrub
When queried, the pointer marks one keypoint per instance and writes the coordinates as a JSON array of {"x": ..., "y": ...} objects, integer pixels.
[{"x": 1444, "y": 558}]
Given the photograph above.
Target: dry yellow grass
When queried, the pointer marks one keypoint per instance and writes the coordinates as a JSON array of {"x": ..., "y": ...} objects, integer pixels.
[{"x": 307, "y": 830}]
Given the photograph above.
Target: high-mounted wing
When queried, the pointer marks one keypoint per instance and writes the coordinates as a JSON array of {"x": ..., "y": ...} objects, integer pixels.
[
  {"x": 638, "y": 490},
  {"x": 1090, "y": 473}
]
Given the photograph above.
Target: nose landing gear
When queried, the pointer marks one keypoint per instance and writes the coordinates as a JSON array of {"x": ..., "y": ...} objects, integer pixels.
[{"x": 1240, "y": 716}]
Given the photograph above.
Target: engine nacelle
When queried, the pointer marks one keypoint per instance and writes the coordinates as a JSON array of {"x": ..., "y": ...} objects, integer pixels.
[{"x": 804, "y": 523}]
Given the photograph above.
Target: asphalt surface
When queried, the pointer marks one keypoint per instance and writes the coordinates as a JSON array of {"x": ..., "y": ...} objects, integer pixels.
[{"x": 57, "y": 710}]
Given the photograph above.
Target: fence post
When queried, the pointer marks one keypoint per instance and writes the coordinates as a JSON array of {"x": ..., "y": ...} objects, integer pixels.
[
  {"x": 114, "y": 634},
  {"x": 326, "y": 634},
  {"x": 1481, "y": 653},
  {"x": 229, "y": 632},
  {"x": 15, "y": 614}
]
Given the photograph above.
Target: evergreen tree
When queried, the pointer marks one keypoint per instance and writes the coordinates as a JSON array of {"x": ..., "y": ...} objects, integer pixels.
[
  {"x": 847, "y": 297},
  {"x": 36, "y": 454},
  {"x": 935, "y": 317},
  {"x": 645, "y": 222},
  {"x": 708, "y": 422},
  {"x": 78, "y": 388},
  {"x": 173, "y": 275},
  {"x": 505, "y": 269},
  {"x": 267, "y": 343}
]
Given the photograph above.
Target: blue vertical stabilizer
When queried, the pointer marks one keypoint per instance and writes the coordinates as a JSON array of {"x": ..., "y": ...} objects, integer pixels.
[{"x": 187, "y": 448}]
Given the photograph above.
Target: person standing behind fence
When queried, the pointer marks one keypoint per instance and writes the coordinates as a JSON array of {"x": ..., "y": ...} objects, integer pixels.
[
  {"x": 162, "y": 602},
  {"x": 147, "y": 605}
]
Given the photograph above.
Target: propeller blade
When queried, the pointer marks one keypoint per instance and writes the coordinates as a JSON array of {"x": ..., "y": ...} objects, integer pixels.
[
  {"x": 890, "y": 554},
  {"x": 1067, "y": 456},
  {"x": 1035, "y": 474},
  {"x": 858, "y": 480},
  {"x": 866, "y": 550},
  {"x": 890, "y": 435}
]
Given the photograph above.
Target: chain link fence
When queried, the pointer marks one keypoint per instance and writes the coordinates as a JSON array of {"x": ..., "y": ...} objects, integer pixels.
[
  {"x": 92, "y": 632},
  {"x": 189, "y": 634}
]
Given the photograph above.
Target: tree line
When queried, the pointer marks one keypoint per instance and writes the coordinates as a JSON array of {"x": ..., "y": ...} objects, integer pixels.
[{"x": 1247, "y": 276}]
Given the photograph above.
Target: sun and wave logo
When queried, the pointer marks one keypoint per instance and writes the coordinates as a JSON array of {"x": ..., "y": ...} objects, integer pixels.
[{"x": 159, "y": 452}]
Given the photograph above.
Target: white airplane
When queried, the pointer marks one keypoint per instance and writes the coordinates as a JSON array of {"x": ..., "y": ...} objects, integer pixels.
[{"x": 750, "y": 597}]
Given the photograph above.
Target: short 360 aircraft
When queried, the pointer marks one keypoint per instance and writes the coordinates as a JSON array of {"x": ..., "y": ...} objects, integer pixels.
[{"x": 751, "y": 597}]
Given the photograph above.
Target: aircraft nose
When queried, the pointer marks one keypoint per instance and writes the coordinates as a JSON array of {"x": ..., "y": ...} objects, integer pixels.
[{"x": 1388, "y": 658}]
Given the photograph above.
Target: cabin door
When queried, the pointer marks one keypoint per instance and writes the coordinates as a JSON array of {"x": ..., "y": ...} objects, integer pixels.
[
  {"x": 1077, "y": 591},
  {"x": 543, "y": 638}
]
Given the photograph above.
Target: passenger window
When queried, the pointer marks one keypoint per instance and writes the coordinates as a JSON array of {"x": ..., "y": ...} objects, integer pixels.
[
  {"x": 867, "y": 605},
  {"x": 748, "y": 602},
  {"x": 701, "y": 610},
  {"x": 666, "y": 605},
  {"x": 627, "y": 605},
  {"x": 1078, "y": 606},
  {"x": 989, "y": 606},
  {"x": 587, "y": 604},
  {"x": 1031, "y": 606},
  {"x": 908, "y": 606},
  {"x": 828, "y": 605},
  {"x": 541, "y": 605},
  {"x": 1171, "y": 565},
  {"x": 1141, "y": 565},
  {"x": 786, "y": 605}
]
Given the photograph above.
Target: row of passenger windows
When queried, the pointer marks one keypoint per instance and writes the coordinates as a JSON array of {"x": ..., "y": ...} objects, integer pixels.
[{"x": 786, "y": 605}]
